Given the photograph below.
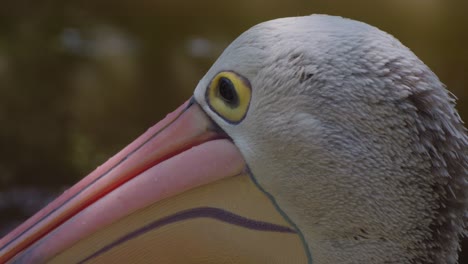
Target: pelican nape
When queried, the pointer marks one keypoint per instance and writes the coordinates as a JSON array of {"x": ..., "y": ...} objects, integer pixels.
[{"x": 311, "y": 139}]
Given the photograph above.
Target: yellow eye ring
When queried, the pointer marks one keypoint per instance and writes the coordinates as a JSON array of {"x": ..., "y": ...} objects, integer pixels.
[{"x": 228, "y": 95}]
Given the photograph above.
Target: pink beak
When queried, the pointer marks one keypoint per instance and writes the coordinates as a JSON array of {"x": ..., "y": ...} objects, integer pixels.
[{"x": 108, "y": 215}]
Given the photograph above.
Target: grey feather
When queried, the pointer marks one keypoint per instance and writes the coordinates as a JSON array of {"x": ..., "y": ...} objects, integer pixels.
[{"x": 356, "y": 139}]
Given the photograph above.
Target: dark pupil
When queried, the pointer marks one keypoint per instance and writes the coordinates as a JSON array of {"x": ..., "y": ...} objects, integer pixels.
[{"x": 228, "y": 92}]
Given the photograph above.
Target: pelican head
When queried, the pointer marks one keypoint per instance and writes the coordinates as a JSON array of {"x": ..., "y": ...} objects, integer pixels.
[{"x": 354, "y": 142}]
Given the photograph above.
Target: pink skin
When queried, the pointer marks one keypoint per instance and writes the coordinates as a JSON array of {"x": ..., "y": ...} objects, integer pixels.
[{"x": 184, "y": 154}]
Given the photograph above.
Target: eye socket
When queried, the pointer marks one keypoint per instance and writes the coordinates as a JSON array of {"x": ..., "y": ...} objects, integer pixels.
[{"x": 228, "y": 95}]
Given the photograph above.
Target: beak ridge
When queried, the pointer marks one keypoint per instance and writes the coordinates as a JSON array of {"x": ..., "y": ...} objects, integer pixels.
[{"x": 176, "y": 152}]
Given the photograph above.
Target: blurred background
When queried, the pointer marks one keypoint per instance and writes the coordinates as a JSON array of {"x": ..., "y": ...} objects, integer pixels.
[{"x": 81, "y": 79}]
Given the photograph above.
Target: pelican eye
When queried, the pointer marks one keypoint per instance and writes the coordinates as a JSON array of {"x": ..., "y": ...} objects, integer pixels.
[
  {"x": 228, "y": 95},
  {"x": 228, "y": 92}
]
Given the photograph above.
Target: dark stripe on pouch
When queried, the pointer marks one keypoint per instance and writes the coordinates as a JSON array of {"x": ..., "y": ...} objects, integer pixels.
[{"x": 200, "y": 212}]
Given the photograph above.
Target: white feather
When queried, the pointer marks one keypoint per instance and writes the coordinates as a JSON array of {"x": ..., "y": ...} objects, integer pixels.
[{"x": 356, "y": 139}]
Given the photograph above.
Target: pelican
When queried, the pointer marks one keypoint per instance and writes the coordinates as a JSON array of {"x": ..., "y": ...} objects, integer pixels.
[{"x": 313, "y": 139}]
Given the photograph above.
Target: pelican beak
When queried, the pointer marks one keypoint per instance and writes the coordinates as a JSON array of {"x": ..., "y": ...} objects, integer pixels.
[{"x": 180, "y": 193}]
